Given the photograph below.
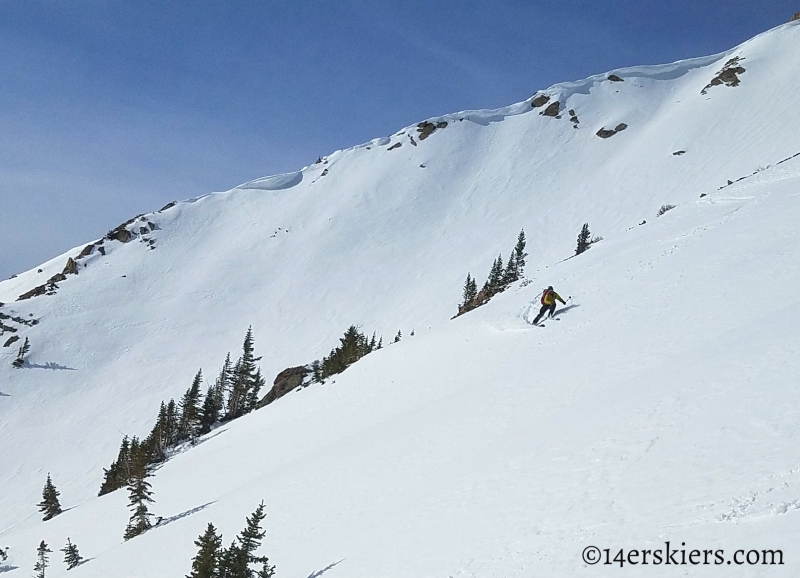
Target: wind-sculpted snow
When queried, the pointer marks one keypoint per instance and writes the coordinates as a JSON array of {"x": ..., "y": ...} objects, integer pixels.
[
  {"x": 662, "y": 405},
  {"x": 274, "y": 183}
]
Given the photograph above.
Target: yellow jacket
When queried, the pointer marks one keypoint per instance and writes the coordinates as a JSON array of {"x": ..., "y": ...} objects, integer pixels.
[{"x": 550, "y": 297}]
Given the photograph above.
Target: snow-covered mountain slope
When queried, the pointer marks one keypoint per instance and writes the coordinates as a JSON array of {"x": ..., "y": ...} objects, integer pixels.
[{"x": 662, "y": 406}]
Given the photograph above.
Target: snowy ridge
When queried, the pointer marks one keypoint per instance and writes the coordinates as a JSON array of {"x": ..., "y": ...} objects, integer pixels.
[{"x": 662, "y": 406}]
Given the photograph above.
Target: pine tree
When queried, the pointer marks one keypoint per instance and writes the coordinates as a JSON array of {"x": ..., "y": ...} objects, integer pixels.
[
  {"x": 246, "y": 378},
  {"x": 139, "y": 495},
  {"x": 157, "y": 442},
  {"x": 495, "y": 280},
  {"x": 42, "y": 561},
  {"x": 206, "y": 563},
  {"x": 72, "y": 557},
  {"x": 353, "y": 345},
  {"x": 520, "y": 254},
  {"x": 380, "y": 343},
  {"x": 23, "y": 351},
  {"x": 124, "y": 462},
  {"x": 49, "y": 505},
  {"x": 237, "y": 559},
  {"x": 258, "y": 382},
  {"x": 470, "y": 290},
  {"x": 316, "y": 371},
  {"x": 3, "y": 554},
  {"x": 190, "y": 411},
  {"x": 584, "y": 239},
  {"x": 398, "y": 337},
  {"x": 511, "y": 272},
  {"x": 215, "y": 397},
  {"x": 516, "y": 262}
]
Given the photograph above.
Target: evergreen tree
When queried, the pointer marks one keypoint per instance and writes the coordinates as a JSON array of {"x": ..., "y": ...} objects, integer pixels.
[
  {"x": 470, "y": 290},
  {"x": 157, "y": 442},
  {"x": 353, "y": 345},
  {"x": 190, "y": 411},
  {"x": 316, "y": 371},
  {"x": 258, "y": 382},
  {"x": 139, "y": 495},
  {"x": 72, "y": 557},
  {"x": 584, "y": 239},
  {"x": 237, "y": 559},
  {"x": 19, "y": 361},
  {"x": 520, "y": 254},
  {"x": 207, "y": 561},
  {"x": 511, "y": 272},
  {"x": 215, "y": 397},
  {"x": 246, "y": 378},
  {"x": 398, "y": 337},
  {"x": 124, "y": 461},
  {"x": 49, "y": 505},
  {"x": 117, "y": 475},
  {"x": 42, "y": 561},
  {"x": 173, "y": 421},
  {"x": 495, "y": 280},
  {"x": 380, "y": 343},
  {"x": 110, "y": 476},
  {"x": 3, "y": 554},
  {"x": 209, "y": 412},
  {"x": 516, "y": 263}
]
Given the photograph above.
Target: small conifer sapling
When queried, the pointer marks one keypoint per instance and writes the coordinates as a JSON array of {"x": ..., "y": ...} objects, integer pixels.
[
  {"x": 584, "y": 239},
  {"x": 19, "y": 361},
  {"x": 72, "y": 557},
  {"x": 49, "y": 505},
  {"x": 42, "y": 561}
]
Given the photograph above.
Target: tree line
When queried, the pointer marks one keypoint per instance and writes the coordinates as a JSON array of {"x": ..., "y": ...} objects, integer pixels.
[
  {"x": 499, "y": 279},
  {"x": 233, "y": 394}
]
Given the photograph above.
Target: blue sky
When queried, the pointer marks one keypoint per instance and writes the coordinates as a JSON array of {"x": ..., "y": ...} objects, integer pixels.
[{"x": 110, "y": 109}]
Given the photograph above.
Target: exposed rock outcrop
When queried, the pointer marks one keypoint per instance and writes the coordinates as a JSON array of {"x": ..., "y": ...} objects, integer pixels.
[
  {"x": 120, "y": 234},
  {"x": 795, "y": 17},
  {"x": 606, "y": 133},
  {"x": 396, "y": 145},
  {"x": 552, "y": 109},
  {"x": 426, "y": 129},
  {"x": 615, "y": 78},
  {"x": 540, "y": 100},
  {"x": 729, "y": 75},
  {"x": 285, "y": 381},
  {"x": 11, "y": 340},
  {"x": 87, "y": 250},
  {"x": 35, "y": 292},
  {"x": 71, "y": 268}
]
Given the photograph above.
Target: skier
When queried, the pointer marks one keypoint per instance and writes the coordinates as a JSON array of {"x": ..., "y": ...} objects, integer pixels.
[{"x": 548, "y": 303}]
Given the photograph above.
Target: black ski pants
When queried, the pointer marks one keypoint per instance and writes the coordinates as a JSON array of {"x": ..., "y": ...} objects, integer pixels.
[{"x": 544, "y": 310}]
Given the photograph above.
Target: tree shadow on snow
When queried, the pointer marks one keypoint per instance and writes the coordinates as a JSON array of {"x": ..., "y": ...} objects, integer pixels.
[
  {"x": 3, "y": 394},
  {"x": 8, "y": 568},
  {"x": 319, "y": 573},
  {"x": 49, "y": 365},
  {"x": 176, "y": 517}
]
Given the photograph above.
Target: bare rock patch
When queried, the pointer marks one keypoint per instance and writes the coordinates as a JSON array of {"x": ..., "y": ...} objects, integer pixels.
[
  {"x": 729, "y": 75},
  {"x": 540, "y": 100}
]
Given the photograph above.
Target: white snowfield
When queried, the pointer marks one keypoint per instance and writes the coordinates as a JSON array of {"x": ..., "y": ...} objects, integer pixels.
[{"x": 664, "y": 405}]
